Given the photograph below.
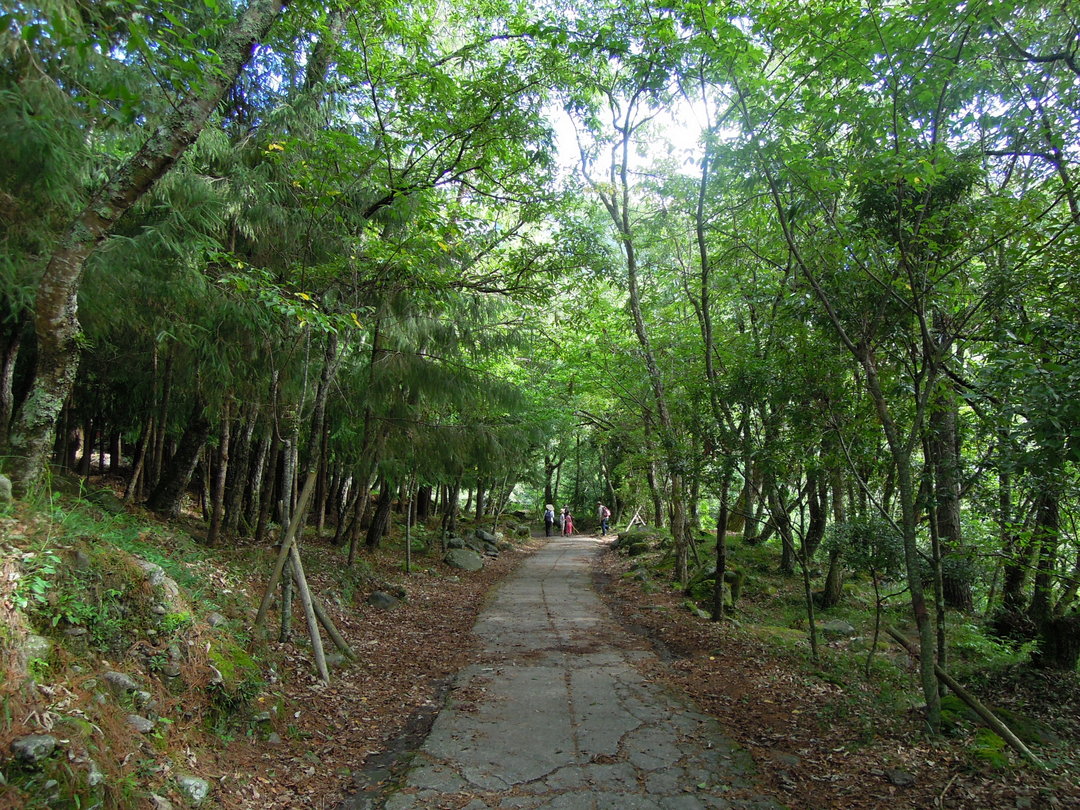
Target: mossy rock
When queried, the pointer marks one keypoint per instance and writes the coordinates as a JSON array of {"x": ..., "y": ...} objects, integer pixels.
[
  {"x": 990, "y": 748},
  {"x": 693, "y": 607},
  {"x": 638, "y": 548},
  {"x": 783, "y": 634},
  {"x": 954, "y": 712}
]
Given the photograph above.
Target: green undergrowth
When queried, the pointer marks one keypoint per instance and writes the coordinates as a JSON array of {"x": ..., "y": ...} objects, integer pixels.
[
  {"x": 97, "y": 592},
  {"x": 876, "y": 681}
]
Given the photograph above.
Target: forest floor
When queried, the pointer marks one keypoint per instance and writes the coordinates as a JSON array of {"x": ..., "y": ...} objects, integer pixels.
[
  {"x": 822, "y": 734},
  {"x": 819, "y": 743}
]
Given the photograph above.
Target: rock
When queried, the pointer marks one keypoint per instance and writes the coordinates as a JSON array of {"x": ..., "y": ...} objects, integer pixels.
[
  {"x": 262, "y": 717},
  {"x": 143, "y": 699},
  {"x": 899, "y": 778},
  {"x": 94, "y": 774},
  {"x": 155, "y": 574},
  {"x": 491, "y": 550},
  {"x": 523, "y": 530},
  {"x": 158, "y": 609},
  {"x": 637, "y": 549},
  {"x": 455, "y": 542},
  {"x": 382, "y": 600},
  {"x": 81, "y": 561},
  {"x": 336, "y": 660},
  {"x": 837, "y": 628},
  {"x": 30, "y": 751},
  {"x": 194, "y": 789},
  {"x": 171, "y": 670},
  {"x": 5, "y": 489},
  {"x": 75, "y": 632},
  {"x": 485, "y": 537},
  {"x": 215, "y": 619},
  {"x": 140, "y": 723},
  {"x": 273, "y": 738},
  {"x": 464, "y": 559},
  {"x": 160, "y": 802},
  {"x": 37, "y": 647},
  {"x": 107, "y": 500},
  {"x": 119, "y": 682}
]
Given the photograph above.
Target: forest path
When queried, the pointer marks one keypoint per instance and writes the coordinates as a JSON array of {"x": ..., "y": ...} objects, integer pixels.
[{"x": 556, "y": 715}]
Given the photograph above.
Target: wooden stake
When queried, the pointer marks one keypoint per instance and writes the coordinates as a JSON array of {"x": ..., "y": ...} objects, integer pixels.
[
  {"x": 283, "y": 552},
  {"x": 309, "y": 612}
]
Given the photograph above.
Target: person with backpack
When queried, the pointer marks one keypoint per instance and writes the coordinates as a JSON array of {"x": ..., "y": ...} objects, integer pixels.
[
  {"x": 549, "y": 519},
  {"x": 604, "y": 515}
]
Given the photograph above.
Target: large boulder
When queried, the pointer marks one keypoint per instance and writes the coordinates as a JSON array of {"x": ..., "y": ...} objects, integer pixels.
[
  {"x": 464, "y": 559},
  {"x": 485, "y": 537},
  {"x": 5, "y": 489}
]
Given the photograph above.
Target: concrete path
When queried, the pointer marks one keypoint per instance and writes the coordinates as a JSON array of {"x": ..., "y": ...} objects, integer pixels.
[{"x": 557, "y": 716}]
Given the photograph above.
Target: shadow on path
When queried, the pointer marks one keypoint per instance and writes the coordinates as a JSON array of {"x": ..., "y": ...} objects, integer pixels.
[{"x": 557, "y": 716}]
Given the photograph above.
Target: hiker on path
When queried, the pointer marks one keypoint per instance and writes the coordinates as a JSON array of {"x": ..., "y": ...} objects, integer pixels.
[
  {"x": 604, "y": 515},
  {"x": 549, "y": 519},
  {"x": 567, "y": 522}
]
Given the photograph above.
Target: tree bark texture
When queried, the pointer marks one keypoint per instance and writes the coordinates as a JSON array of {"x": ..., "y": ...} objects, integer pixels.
[{"x": 169, "y": 492}]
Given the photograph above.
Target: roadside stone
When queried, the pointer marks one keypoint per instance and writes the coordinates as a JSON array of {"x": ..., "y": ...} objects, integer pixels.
[
  {"x": 455, "y": 542},
  {"x": 81, "y": 561},
  {"x": 382, "y": 600},
  {"x": 37, "y": 646},
  {"x": 140, "y": 723},
  {"x": 899, "y": 778},
  {"x": 215, "y": 619},
  {"x": 336, "y": 660},
  {"x": 194, "y": 789},
  {"x": 160, "y": 802},
  {"x": 120, "y": 682},
  {"x": 464, "y": 559},
  {"x": 5, "y": 489},
  {"x": 273, "y": 738},
  {"x": 485, "y": 537},
  {"x": 837, "y": 628},
  {"x": 94, "y": 774},
  {"x": 155, "y": 574},
  {"x": 32, "y": 750}
]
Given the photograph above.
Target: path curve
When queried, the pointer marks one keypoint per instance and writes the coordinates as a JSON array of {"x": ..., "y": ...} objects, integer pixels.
[{"x": 557, "y": 716}]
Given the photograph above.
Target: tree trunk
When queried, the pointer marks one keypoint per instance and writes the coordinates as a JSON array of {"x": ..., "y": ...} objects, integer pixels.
[
  {"x": 169, "y": 492},
  {"x": 9, "y": 356},
  {"x": 239, "y": 474},
  {"x": 56, "y": 307},
  {"x": 944, "y": 446},
  {"x": 381, "y": 519},
  {"x": 217, "y": 490},
  {"x": 1045, "y": 539}
]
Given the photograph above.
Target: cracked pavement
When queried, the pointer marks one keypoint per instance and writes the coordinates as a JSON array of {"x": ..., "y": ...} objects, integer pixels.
[{"x": 557, "y": 715}]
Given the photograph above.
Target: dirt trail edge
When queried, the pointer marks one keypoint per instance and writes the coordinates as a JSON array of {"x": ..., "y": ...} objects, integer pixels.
[{"x": 557, "y": 716}]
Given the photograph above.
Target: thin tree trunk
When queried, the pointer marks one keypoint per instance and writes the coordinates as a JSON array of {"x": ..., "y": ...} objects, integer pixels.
[
  {"x": 169, "y": 492},
  {"x": 8, "y": 358},
  {"x": 221, "y": 471}
]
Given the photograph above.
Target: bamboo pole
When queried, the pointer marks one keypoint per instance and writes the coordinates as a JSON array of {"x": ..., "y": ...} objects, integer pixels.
[
  {"x": 332, "y": 631},
  {"x": 977, "y": 705},
  {"x": 309, "y": 612},
  {"x": 283, "y": 552}
]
